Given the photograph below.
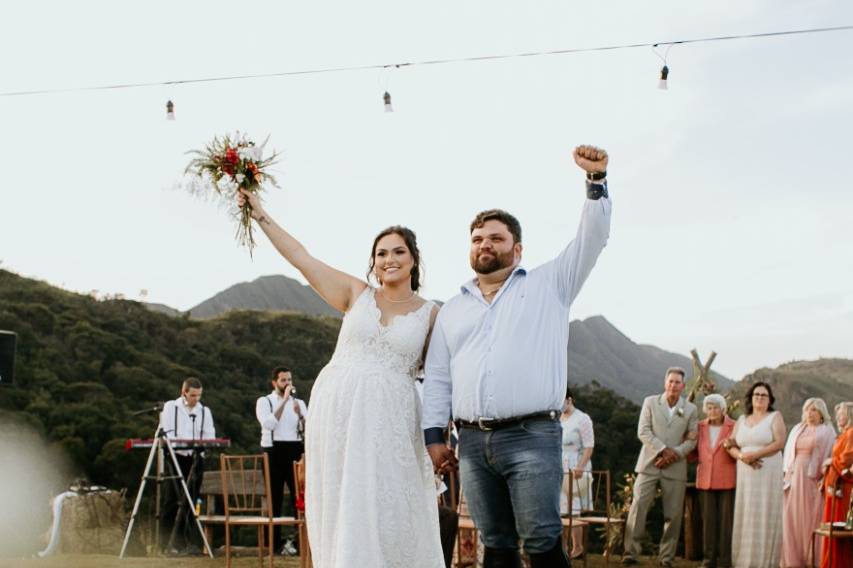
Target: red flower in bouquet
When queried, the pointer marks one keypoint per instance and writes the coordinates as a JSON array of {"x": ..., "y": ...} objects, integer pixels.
[{"x": 227, "y": 165}]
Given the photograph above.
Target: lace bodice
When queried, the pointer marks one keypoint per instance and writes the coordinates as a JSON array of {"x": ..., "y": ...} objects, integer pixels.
[{"x": 397, "y": 347}]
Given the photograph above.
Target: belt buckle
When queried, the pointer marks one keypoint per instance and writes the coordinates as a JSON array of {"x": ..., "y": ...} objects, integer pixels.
[{"x": 482, "y": 426}]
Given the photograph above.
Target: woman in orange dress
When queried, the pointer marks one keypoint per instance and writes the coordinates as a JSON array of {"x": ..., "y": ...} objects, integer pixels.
[{"x": 839, "y": 479}]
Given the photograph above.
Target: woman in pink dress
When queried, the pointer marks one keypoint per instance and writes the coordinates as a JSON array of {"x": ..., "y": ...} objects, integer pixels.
[{"x": 809, "y": 444}]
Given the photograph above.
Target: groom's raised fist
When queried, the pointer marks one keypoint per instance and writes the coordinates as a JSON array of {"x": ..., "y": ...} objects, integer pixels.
[{"x": 591, "y": 158}]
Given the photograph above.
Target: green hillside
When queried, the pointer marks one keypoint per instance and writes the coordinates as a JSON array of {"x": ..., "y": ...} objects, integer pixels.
[{"x": 84, "y": 366}]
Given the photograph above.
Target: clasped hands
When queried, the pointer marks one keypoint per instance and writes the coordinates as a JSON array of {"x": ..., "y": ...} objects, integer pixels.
[
  {"x": 444, "y": 459},
  {"x": 666, "y": 458},
  {"x": 749, "y": 458}
]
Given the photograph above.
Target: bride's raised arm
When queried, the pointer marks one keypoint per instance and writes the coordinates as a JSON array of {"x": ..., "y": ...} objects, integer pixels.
[{"x": 338, "y": 289}]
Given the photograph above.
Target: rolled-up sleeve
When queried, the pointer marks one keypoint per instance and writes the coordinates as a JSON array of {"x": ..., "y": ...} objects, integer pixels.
[
  {"x": 264, "y": 414},
  {"x": 208, "y": 430},
  {"x": 167, "y": 419},
  {"x": 437, "y": 385}
]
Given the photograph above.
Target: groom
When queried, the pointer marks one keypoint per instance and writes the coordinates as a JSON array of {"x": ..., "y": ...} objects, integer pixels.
[{"x": 497, "y": 359}]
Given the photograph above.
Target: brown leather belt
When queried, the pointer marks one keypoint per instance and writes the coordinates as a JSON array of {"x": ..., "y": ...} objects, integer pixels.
[{"x": 488, "y": 424}]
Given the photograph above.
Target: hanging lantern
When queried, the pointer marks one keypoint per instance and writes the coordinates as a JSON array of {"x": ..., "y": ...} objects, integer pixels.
[
  {"x": 170, "y": 110},
  {"x": 387, "y": 98},
  {"x": 664, "y": 73}
]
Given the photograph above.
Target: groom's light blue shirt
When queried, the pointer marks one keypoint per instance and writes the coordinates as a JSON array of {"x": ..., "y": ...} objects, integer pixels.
[{"x": 509, "y": 358}]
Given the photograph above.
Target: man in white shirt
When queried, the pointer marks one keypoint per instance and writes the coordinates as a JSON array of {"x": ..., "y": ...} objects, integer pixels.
[
  {"x": 185, "y": 418},
  {"x": 282, "y": 418},
  {"x": 497, "y": 362}
]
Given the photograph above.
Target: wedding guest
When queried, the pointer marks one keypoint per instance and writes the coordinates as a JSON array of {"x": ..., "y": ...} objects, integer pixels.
[
  {"x": 667, "y": 429},
  {"x": 839, "y": 480},
  {"x": 578, "y": 442},
  {"x": 759, "y": 437},
  {"x": 716, "y": 473},
  {"x": 809, "y": 445}
]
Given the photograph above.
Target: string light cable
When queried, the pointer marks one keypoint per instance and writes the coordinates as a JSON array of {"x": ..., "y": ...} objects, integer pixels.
[{"x": 387, "y": 66}]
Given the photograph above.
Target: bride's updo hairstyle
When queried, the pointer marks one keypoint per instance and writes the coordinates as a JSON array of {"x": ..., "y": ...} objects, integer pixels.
[{"x": 411, "y": 241}]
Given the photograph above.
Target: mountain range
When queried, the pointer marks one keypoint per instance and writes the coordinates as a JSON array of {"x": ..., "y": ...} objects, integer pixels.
[
  {"x": 795, "y": 382},
  {"x": 268, "y": 293},
  {"x": 598, "y": 351}
]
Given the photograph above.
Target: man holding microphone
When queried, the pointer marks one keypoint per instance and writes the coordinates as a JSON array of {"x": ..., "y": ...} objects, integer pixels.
[{"x": 282, "y": 417}]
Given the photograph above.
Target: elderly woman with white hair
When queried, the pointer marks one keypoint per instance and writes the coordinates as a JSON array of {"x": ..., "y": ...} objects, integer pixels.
[
  {"x": 809, "y": 444},
  {"x": 716, "y": 476}
]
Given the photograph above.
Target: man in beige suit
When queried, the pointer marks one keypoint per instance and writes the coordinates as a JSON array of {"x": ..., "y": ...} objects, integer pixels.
[{"x": 667, "y": 429}]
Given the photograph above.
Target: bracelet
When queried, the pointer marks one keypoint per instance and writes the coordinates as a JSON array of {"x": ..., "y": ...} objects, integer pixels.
[{"x": 596, "y": 176}]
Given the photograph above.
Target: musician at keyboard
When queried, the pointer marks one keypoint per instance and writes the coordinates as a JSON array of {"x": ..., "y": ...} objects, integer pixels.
[{"x": 185, "y": 418}]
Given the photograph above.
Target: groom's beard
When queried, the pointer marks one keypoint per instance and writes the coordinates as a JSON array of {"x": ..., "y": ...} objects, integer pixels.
[{"x": 498, "y": 261}]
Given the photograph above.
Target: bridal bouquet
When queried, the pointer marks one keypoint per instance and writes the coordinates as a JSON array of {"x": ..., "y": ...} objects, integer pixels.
[{"x": 227, "y": 165}]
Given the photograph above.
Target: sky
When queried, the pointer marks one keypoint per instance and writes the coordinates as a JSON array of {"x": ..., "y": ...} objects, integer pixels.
[{"x": 731, "y": 227}]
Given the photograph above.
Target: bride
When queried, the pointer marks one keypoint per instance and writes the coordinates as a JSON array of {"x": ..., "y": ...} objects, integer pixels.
[{"x": 370, "y": 497}]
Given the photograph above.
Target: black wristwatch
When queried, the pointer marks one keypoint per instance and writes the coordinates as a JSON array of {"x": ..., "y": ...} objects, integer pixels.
[{"x": 596, "y": 176}]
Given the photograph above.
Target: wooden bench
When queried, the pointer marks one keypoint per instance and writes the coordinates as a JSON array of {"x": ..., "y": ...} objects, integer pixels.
[{"x": 211, "y": 495}]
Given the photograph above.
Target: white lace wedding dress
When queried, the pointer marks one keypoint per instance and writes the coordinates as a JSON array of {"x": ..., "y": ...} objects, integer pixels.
[{"x": 370, "y": 494}]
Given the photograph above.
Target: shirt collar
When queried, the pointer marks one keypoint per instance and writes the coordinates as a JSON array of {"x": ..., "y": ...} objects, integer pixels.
[
  {"x": 183, "y": 403},
  {"x": 678, "y": 403},
  {"x": 470, "y": 287}
]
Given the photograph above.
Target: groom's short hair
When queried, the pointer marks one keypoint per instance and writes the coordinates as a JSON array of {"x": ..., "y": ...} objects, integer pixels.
[{"x": 498, "y": 215}]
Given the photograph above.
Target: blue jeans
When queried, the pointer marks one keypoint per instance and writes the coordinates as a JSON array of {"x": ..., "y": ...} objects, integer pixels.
[{"x": 511, "y": 479}]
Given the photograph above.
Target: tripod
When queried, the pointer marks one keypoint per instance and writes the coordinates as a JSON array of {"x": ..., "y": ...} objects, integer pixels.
[
  {"x": 161, "y": 441},
  {"x": 192, "y": 480}
]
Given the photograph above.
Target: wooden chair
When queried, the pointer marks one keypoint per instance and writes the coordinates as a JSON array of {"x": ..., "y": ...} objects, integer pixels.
[
  {"x": 598, "y": 511},
  {"x": 246, "y": 496},
  {"x": 299, "y": 482},
  {"x": 829, "y": 531}
]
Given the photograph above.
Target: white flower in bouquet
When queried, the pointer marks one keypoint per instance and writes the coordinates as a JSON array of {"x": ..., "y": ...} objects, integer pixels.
[{"x": 227, "y": 185}]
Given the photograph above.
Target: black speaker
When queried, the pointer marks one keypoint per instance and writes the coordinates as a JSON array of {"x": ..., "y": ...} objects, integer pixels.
[{"x": 8, "y": 342}]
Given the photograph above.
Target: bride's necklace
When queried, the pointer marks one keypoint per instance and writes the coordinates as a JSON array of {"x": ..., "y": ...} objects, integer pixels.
[{"x": 387, "y": 299}]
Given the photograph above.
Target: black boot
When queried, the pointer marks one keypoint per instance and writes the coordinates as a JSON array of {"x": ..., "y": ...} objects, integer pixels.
[
  {"x": 501, "y": 558},
  {"x": 554, "y": 558}
]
